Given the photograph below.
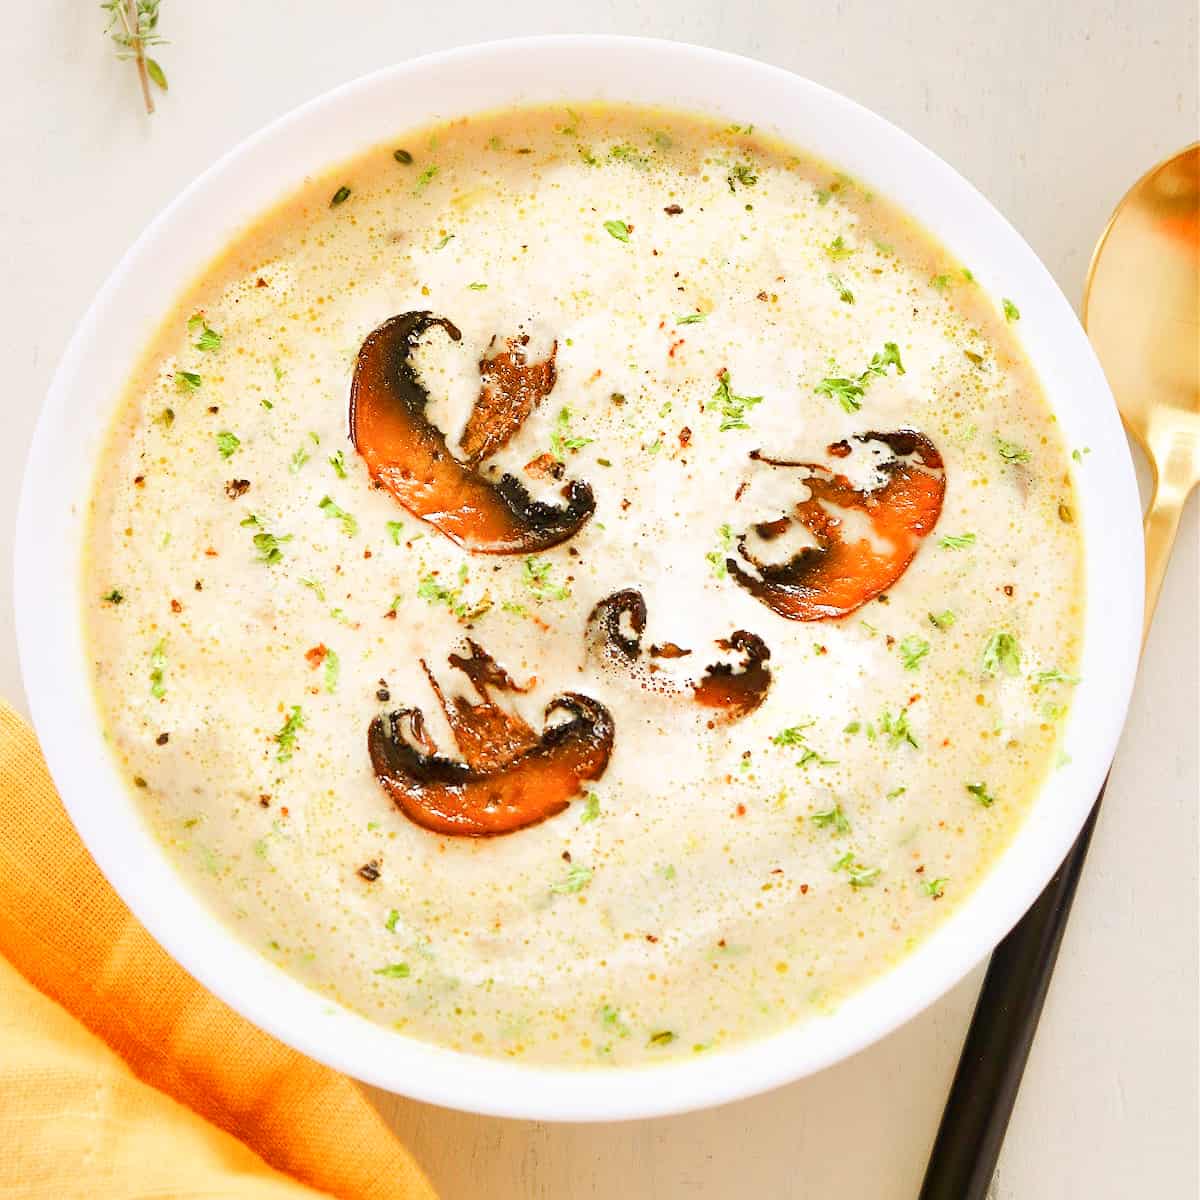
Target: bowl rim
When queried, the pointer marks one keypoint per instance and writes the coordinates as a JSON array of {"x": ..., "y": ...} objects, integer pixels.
[{"x": 56, "y": 680}]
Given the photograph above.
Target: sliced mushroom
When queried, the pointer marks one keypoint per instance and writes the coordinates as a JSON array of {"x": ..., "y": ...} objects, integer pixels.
[
  {"x": 408, "y": 455},
  {"x": 615, "y": 629},
  {"x": 838, "y": 575},
  {"x": 512, "y": 387},
  {"x": 510, "y": 777}
]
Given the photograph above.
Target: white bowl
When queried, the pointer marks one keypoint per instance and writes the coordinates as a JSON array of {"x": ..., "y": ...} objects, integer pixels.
[{"x": 361, "y": 114}]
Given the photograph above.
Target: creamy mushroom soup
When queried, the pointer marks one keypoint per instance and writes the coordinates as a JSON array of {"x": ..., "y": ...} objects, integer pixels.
[{"x": 585, "y": 585}]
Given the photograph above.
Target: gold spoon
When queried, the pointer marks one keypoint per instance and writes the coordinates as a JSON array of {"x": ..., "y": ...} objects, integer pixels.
[{"x": 1141, "y": 308}]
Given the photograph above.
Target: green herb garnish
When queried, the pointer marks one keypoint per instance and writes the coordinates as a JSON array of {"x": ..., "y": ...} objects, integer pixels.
[
  {"x": 536, "y": 574},
  {"x": 849, "y": 392},
  {"x": 957, "y": 541},
  {"x": 1011, "y": 311},
  {"x": 394, "y": 971},
  {"x": 562, "y": 440},
  {"x": 743, "y": 174},
  {"x": 394, "y": 529},
  {"x": 732, "y": 406},
  {"x": 133, "y": 28},
  {"x": 664, "y": 1037},
  {"x": 339, "y": 197},
  {"x": 392, "y": 917},
  {"x": 845, "y": 295},
  {"x": 577, "y": 878},
  {"x": 330, "y": 509},
  {"x": 832, "y": 818},
  {"x": 1011, "y": 452},
  {"x": 912, "y": 650},
  {"x": 981, "y": 793},
  {"x": 934, "y": 888},
  {"x": 896, "y": 728},
  {"x": 227, "y": 443},
  {"x": 113, "y": 597},
  {"x": 158, "y": 664},
  {"x": 187, "y": 381},
  {"x": 837, "y": 249},
  {"x": 1001, "y": 653},
  {"x": 716, "y": 558},
  {"x": 333, "y": 668},
  {"x": 943, "y": 620},
  {"x": 267, "y": 544},
  {"x": 285, "y": 739},
  {"x": 619, "y": 229},
  {"x": 591, "y": 808},
  {"x": 206, "y": 339},
  {"x": 338, "y": 462}
]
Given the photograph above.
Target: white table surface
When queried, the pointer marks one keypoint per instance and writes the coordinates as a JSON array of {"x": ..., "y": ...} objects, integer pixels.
[{"x": 1051, "y": 109}]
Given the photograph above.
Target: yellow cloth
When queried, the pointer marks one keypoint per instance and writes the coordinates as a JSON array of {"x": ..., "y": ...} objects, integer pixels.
[{"x": 120, "y": 1076}]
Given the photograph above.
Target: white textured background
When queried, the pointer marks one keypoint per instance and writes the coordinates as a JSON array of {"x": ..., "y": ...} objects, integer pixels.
[{"x": 1052, "y": 109}]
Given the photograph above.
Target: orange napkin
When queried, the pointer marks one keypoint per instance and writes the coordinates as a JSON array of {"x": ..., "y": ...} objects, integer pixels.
[{"x": 120, "y": 1076}]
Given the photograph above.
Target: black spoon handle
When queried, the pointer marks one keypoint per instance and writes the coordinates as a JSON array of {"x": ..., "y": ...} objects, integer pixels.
[{"x": 963, "y": 1159}]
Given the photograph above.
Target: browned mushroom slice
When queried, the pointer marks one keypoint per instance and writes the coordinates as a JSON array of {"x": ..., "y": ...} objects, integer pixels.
[
  {"x": 512, "y": 387},
  {"x": 615, "y": 629},
  {"x": 511, "y": 777},
  {"x": 838, "y": 574},
  {"x": 408, "y": 455}
]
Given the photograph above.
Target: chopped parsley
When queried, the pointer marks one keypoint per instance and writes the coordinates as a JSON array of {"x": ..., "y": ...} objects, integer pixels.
[
  {"x": 227, "y": 443},
  {"x": 338, "y": 462},
  {"x": 959, "y": 541},
  {"x": 1011, "y": 311},
  {"x": 562, "y": 440},
  {"x": 477, "y": 287},
  {"x": 339, "y": 197},
  {"x": 1054, "y": 675},
  {"x": 743, "y": 174},
  {"x": 392, "y": 917},
  {"x": 330, "y": 509},
  {"x": 158, "y": 664},
  {"x": 943, "y": 620},
  {"x": 859, "y": 875},
  {"x": 626, "y": 153},
  {"x": 206, "y": 339},
  {"x": 113, "y": 597},
  {"x": 981, "y": 793},
  {"x": 619, "y": 229},
  {"x": 793, "y": 735},
  {"x": 187, "y": 381},
  {"x": 691, "y": 319},
  {"x": 316, "y": 587},
  {"x": 394, "y": 529},
  {"x": 333, "y": 668},
  {"x": 934, "y": 888},
  {"x": 1001, "y": 653},
  {"x": 1011, "y": 452},
  {"x": 896, "y": 728},
  {"x": 611, "y": 1017},
  {"x": 896, "y": 791},
  {"x": 394, "y": 971},
  {"x": 838, "y": 249},
  {"x": 912, "y": 650},
  {"x": 285, "y": 739},
  {"x": 536, "y": 574},
  {"x": 576, "y": 879},
  {"x": 716, "y": 558},
  {"x": 832, "y": 818},
  {"x": 298, "y": 459},
  {"x": 1077, "y": 454},
  {"x": 434, "y": 592},
  {"x": 444, "y": 242},
  {"x": 267, "y": 544},
  {"x": 426, "y": 176},
  {"x": 732, "y": 406},
  {"x": 845, "y": 295},
  {"x": 941, "y": 282},
  {"x": 664, "y": 1037},
  {"x": 591, "y": 808},
  {"x": 849, "y": 392}
]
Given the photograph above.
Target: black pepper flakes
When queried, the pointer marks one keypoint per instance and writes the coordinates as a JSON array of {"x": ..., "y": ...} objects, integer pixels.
[
  {"x": 237, "y": 487},
  {"x": 369, "y": 871},
  {"x": 162, "y": 739}
]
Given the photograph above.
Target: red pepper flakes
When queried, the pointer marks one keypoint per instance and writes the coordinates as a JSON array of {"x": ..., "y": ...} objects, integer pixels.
[
  {"x": 176, "y": 607},
  {"x": 804, "y": 889},
  {"x": 741, "y": 810},
  {"x": 316, "y": 656},
  {"x": 675, "y": 346}
]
